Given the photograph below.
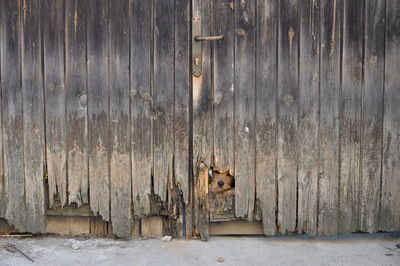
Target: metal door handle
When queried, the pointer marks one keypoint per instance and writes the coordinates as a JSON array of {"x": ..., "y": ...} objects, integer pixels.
[{"x": 208, "y": 38}]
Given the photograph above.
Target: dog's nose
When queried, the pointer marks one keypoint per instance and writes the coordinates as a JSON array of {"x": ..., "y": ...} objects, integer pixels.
[{"x": 220, "y": 183}]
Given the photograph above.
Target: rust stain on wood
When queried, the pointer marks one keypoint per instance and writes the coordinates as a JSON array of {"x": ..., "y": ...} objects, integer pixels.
[{"x": 291, "y": 37}]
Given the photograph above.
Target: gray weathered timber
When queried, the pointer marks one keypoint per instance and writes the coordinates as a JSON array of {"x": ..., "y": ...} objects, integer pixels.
[
  {"x": 120, "y": 160},
  {"x": 98, "y": 107},
  {"x": 75, "y": 82},
  {"x": 245, "y": 108},
  {"x": 307, "y": 133},
  {"x": 3, "y": 190},
  {"x": 33, "y": 109},
  {"x": 288, "y": 101},
  {"x": 223, "y": 82},
  {"x": 182, "y": 96},
  {"x": 328, "y": 179},
  {"x": 372, "y": 118},
  {"x": 12, "y": 114},
  {"x": 163, "y": 95},
  {"x": 350, "y": 108},
  {"x": 389, "y": 217},
  {"x": 55, "y": 95},
  {"x": 141, "y": 104},
  {"x": 266, "y": 124}
]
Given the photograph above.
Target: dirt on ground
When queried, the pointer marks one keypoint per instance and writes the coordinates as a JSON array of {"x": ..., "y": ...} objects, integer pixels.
[{"x": 360, "y": 249}]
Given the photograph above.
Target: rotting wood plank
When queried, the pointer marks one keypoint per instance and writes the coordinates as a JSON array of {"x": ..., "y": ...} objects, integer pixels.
[
  {"x": 33, "y": 109},
  {"x": 141, "y": 104},
  {"x": 98, "y": 107},
  {"x": 245, "y": 129},
  {"x": 328, "y": 180},
  {"x": 307, "y": 133},
  {"x": 372, "y": 119},
  {"x": 182, "y": 93},
  {"x": 224, "y": 91},
  {"x": 197, "y": 219},
  {"x": 266, "y": 125},
  {"x": 76, "y": 101},
  {"x": 288, "y": 101},
  {"x": 12, "y": 111},
  {"x": 163, "y": 95},
  {"x": 53, "y": 47},
  {"x": 389, "y": 217},
  {"x": 120, "y": 165},
  {"x": 350, "y": 117}
]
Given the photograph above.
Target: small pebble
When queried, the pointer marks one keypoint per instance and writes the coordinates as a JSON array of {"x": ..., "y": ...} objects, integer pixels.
[{"x": 220, "y": 259}]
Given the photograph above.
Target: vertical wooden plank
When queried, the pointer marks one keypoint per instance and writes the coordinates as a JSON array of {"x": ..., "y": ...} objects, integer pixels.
[
  {"x": 245, "y": 109},
  {"x": 389, "y": 219},
  {"x": 98, "y": 106},
  {"x": 223, "y": 74},
  {"x": 307, "y": 133},
  {"x": 76, "y": 101},
  {"x": 202, "y": 125},
  {"x": 288, "y": 100},
  {"x": 182, "y": 93},
  {"x": 120, "y": 166},
  {"x": 53, "y": 27},
  {"x": 163, "y": 95},
  {"x": 350, "y": 107},
  {"x": 3, "y": 203},
  {"x": 372, "y": 105},
  {"x": 33, "y": 109},
  {"x": 141, "y": 104},
  {"x": 328, "y": 181},
  {"x": 266, "y": 126},
  {"x": 12, "y": 111}
]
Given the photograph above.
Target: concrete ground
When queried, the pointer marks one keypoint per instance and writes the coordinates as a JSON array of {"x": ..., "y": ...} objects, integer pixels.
[{"x": 359, "y": 249}]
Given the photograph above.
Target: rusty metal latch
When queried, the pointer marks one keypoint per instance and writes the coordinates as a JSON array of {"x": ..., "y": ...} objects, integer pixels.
[{"x": 209, "y": 38}]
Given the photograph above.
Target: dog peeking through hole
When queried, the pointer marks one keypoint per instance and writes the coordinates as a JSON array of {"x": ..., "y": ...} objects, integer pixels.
[{"x": 221, "y": 181}]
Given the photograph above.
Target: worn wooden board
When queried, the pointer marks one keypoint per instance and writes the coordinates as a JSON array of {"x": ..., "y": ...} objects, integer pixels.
[
  {"x": 163, "y": 95},
  {"x": 141, "y": 104},
  {"x": 350, "y": 124},
  {"x": 245, "y": 109},
  {"x": 223, "y": 83},
  {"x": 55, "y": 93},
  {"x": 33, "y": 109},
  {"x": 328, "y": 180},
  {"x": 76, "y": 102},
  {"x": 288, "y": 101},
  {"x": 3, "y": 204},
  {"x": 389, "y": 219},
  {"x": 266, "y": 124},
  {"x": 120, "y": 165},
  {"x": 12, "y": 114},
  {"x": 307, "y": 132},
  {"x": 182, "y": 96},
  {"x": 98, "y": 107},
  {"x": 372, "y": 118}
]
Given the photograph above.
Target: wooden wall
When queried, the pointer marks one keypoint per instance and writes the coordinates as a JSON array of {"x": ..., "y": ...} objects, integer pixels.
[{"x": 300, "y": 100}]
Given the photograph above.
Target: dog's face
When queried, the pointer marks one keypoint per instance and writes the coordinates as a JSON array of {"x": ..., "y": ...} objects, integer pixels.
[{"x": 222, "y": 182}]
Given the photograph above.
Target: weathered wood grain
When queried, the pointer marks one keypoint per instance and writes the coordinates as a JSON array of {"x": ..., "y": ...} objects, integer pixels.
[
  {"x": 33, "y": 109},
  {"x": 12, "y": 111},
  {"x": 389, "y": 217},
  {"x": 141, "y": 104},
  {"x": 288, "y": 101},
  {"x": 55, "y": 93},
  {"x": 163, "y": 95},
  {"x": 328, "y": 181},
  {"x": 120, "y": 165},
  {"x": 3, "y": 204},
  {"x": 223, "y": 82},
  {"x": 98, "y": 107},
  {"x": 372, "y": 118},
  {"x": 182, "y": 95},
  {"x": 197, "y": 220},
  {"x": 307, "y": 133},
  {"x": 76, "y": 102},
  {"x": 350, "y": 120},
  {"x": 266, "y": 124},
  {"x": 245, "y": 109}
]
